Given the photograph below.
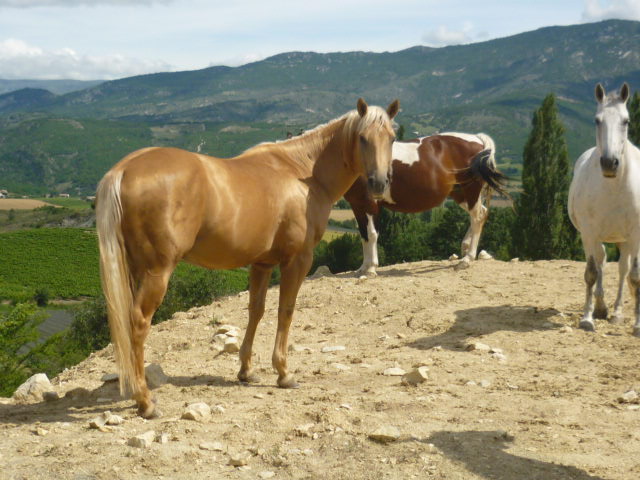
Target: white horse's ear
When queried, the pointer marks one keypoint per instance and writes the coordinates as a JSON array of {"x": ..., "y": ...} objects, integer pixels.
[
  {"x": 624, "y": 92},
  {"x": 362, "y": 107},
  {"x": 599, "y": 93},
  {"x": 393, "y": 108}
]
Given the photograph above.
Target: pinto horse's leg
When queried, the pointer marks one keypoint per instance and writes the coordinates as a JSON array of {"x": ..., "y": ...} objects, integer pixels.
[
  {"x": 291, "y": 277},
  {"x": 624, "y": 264},
  {"x": 147, "y": 299},
  {"x": 634, "y": 283},
  {"x": 593, "y": 275},
  {"x": 369, "y": 248},
  {"x": 258, "y": 285}
]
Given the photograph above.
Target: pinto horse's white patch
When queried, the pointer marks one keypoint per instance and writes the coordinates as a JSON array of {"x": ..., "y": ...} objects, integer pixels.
[
  {"x": 406, "y": 152},
  {"x": 469, "y": 137}
]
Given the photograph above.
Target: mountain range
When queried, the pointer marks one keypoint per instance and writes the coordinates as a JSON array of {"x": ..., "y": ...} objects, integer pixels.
[{"x": 491, "y": 86}]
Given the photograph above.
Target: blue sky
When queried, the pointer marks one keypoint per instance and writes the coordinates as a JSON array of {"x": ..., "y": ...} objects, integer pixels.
[{"x": 108, "y": 39}]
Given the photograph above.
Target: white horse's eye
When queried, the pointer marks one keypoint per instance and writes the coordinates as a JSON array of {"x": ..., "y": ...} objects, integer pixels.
[{"x": 598, "y": 121}]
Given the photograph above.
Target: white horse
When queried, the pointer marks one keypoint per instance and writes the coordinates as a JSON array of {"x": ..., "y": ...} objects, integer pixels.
[{"x": 604, "y": 205}]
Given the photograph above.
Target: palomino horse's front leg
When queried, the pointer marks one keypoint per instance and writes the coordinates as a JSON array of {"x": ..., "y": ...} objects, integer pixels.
[
  {"x": 258, "y": 285},
  {"x": 593, "y": 275},
  {"x": 291, "y": 277},
  {"x": 634, "y": 283}
]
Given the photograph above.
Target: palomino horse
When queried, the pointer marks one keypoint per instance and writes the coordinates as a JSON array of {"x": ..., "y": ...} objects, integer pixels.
[
  {"x": 604, "y": 205},
  {"x": 267, "y": 207},
  {"x": 424, "y": 172}
]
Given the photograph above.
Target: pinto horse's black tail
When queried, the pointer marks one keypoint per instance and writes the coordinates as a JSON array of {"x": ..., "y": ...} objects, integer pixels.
[{"x": 483, "y": 166}]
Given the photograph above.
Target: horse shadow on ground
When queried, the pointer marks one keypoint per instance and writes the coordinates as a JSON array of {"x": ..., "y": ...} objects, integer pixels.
[
  {"x": 479, "y": 321},
  {"x": 400, "y": 271},
  {"x": 78, "y": 402},
  {"x": 483, "y": 453}
]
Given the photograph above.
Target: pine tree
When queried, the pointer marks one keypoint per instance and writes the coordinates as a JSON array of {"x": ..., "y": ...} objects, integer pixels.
[
  {"x": 634, "y": 119},
  {"x": 542, "y": 229}
]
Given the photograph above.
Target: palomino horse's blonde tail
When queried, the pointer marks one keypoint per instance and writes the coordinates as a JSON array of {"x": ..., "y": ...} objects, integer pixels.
[{"x": 115, "y": 275}]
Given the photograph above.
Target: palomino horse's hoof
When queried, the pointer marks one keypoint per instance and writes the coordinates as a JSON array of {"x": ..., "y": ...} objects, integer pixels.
[
  {"x": 587, "y": 325},
  {"x": 249, "y": 378},
  {"x": 288, "y": 382}
]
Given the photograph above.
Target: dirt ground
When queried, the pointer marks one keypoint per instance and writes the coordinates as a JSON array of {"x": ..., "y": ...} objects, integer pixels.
[
  {"x": 21, "y": 204},
  {"x": 544, "y": 405}
]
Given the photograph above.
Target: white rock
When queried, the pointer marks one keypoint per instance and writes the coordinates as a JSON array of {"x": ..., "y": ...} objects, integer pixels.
[
  {"x": 231, "y": 345},
  {"x": 142, "y": 441},
  {"x": 266, "y": 475},
  {"x": 499, "y": 356},
  {"x": 33, "y": 389},
  {"x": 197, "y": 411},
  {"x": 514, "y": 260},
  {"x": 162, "y": 438},
  {"x": 385, "y": 434},
  {"x": 484, "y": 255},
  {"x": 220, "y": 338},
  {"x": 155, "y": 375},
  {"x": 299, "y": 348},
  {"x": 566, "y": 329},
  {"x": 394, "y": 372},
  {"x": 485, "y": 383},
  {"x": 335, "y": 348},
  {"x": 340, "y": 366},
  {"x": 239, "y": 459},
  {"x": 230, "y": 330},
  {"x": 304, "y": 430},
  {"x": 416, "y": 376},
  {"x": 105, "y": 418},
  {"x": 115, "y": 420},
  {"x": 477, "y": 346},
  {"x": 630, "y": 396},
  {"x": 211, "y": 446},
  {"x": 453, "y": 257}
]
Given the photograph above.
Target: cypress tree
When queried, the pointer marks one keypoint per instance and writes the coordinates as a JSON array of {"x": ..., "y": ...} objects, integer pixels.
[
  {"x": 634, "y": 119},
  {"x": 542, "y": 229}
]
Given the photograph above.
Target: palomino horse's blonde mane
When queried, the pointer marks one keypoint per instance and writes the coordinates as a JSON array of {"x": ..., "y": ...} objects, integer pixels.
[{"x": 317, "y": 138}]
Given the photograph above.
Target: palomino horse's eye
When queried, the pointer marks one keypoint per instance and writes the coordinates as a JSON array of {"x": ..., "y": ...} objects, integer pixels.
[{"x": 363, "y": 141}]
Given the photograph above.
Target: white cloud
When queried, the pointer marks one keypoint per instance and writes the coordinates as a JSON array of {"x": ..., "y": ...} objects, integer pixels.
[
  {"x": 19, "y": 60},
  {"x": 442, "y": 36},
  {"x": 75, "y": 3},
  {"x": 596, "y": 10}
]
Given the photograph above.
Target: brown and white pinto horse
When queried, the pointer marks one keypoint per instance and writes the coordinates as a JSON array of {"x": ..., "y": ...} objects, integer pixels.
[
  {"x": 267, "y": 207},
  {"x": 424, "y": 172}
]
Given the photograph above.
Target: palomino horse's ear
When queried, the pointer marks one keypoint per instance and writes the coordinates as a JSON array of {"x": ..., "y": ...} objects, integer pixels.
[
  {"x": 624, "y": 92},
  {"x": 392, "y": 109},
  {"x": 599, "y": 93},
  {"x": 362, "y": 107}
]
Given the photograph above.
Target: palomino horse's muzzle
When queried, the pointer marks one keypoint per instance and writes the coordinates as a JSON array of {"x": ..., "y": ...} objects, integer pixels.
[
  {"x": 609, "y": 166},
  {"x": 377, "y": 185}
]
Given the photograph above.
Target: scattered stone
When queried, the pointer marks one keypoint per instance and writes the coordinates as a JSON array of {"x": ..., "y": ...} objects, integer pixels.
[
  {"x": 484, "y": 255},
  {"x": 453, "y": 257},
  {"x": 341, "y": 367},
  {"x": 163, "y": 438},
  {"x": 385, "y": 434},
  {"x": 228, "y": 330},
  {"x": 109, "y": 377},
  {"x": 142, "y": 441},
  {"x": 218, "y": 409},
  {"x": 50, "y": 396},
  {"x": 484, "y": 383},
  {"x": 106, "y": 418},
  {"x": 114, "y": 420},
  {"x": 346, "y": 406},
  {"x": 482, "y": 347},
  {"x": 211, "y": 446},
  {"x": 416, "y": 376},
  {"x": 155, "y": 375},
  {"x": 362, "y": 279},
  {"x": 77, "y": 393},
  {"x": 630, "y": 396},
  {"x": 394, "y": 372},
  {"x": 239, "y": 459},
  {"x": 266, "y": 475},
  {"x": 41, "y": 432},
  {"x": 197, "y": 411},
  {"x": 471, "y": 383},
  {"x": 304, "y": 430},
  {"x": 566, "y": 329},
  {"x": 335, "y": 348},
  {"x": 499, "y": 356},
  {"x": 463, "y": 264},
  {"x": 231, "y": 345},
  {"x": 33, "y": 389},
  {"x": 514, "y": 260},
  {"x": 322, "y": 271},
  {"x": 259, "y": 396}
]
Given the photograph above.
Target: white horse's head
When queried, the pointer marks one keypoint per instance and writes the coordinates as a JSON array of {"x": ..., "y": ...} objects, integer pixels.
[{"x": 612, "y": 124}]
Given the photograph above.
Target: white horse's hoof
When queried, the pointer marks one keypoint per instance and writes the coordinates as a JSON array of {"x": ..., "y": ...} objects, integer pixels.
[{"x": 587, "y": 325}]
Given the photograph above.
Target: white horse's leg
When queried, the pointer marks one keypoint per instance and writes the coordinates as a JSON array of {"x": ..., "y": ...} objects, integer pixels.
[
  {"x": 593, "y": 274},
  {"x": 624, "y": 264},
  {"x": 634, "y": 283},
  {"x": 477, "y": 218},
  {"x": 369, "y": 250}
]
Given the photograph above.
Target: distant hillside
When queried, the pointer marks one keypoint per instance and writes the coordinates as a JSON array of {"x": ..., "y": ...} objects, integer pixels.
[
  {"x": 491, "y": 86},
  {"x": 58, "y": 87}
]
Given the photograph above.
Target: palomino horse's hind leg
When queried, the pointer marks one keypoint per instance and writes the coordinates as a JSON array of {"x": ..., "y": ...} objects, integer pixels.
[
  {"x": 291, "y": 277},
  {"x": 634, "y": 283},
  {"x": 593, "y": 276},
  {"x": 148, "y": 297},
  {"x": 624, "y": 264},
  {"x": 258, "y": 285}
]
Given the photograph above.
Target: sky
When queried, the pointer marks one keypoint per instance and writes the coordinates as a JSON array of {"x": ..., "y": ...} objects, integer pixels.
[{"x": 110, "y": 39}]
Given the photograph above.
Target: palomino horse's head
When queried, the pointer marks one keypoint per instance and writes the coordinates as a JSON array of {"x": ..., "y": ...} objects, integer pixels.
[
  {"x": 612, "y": 123},
  {"x": 373, "y": 143}
]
